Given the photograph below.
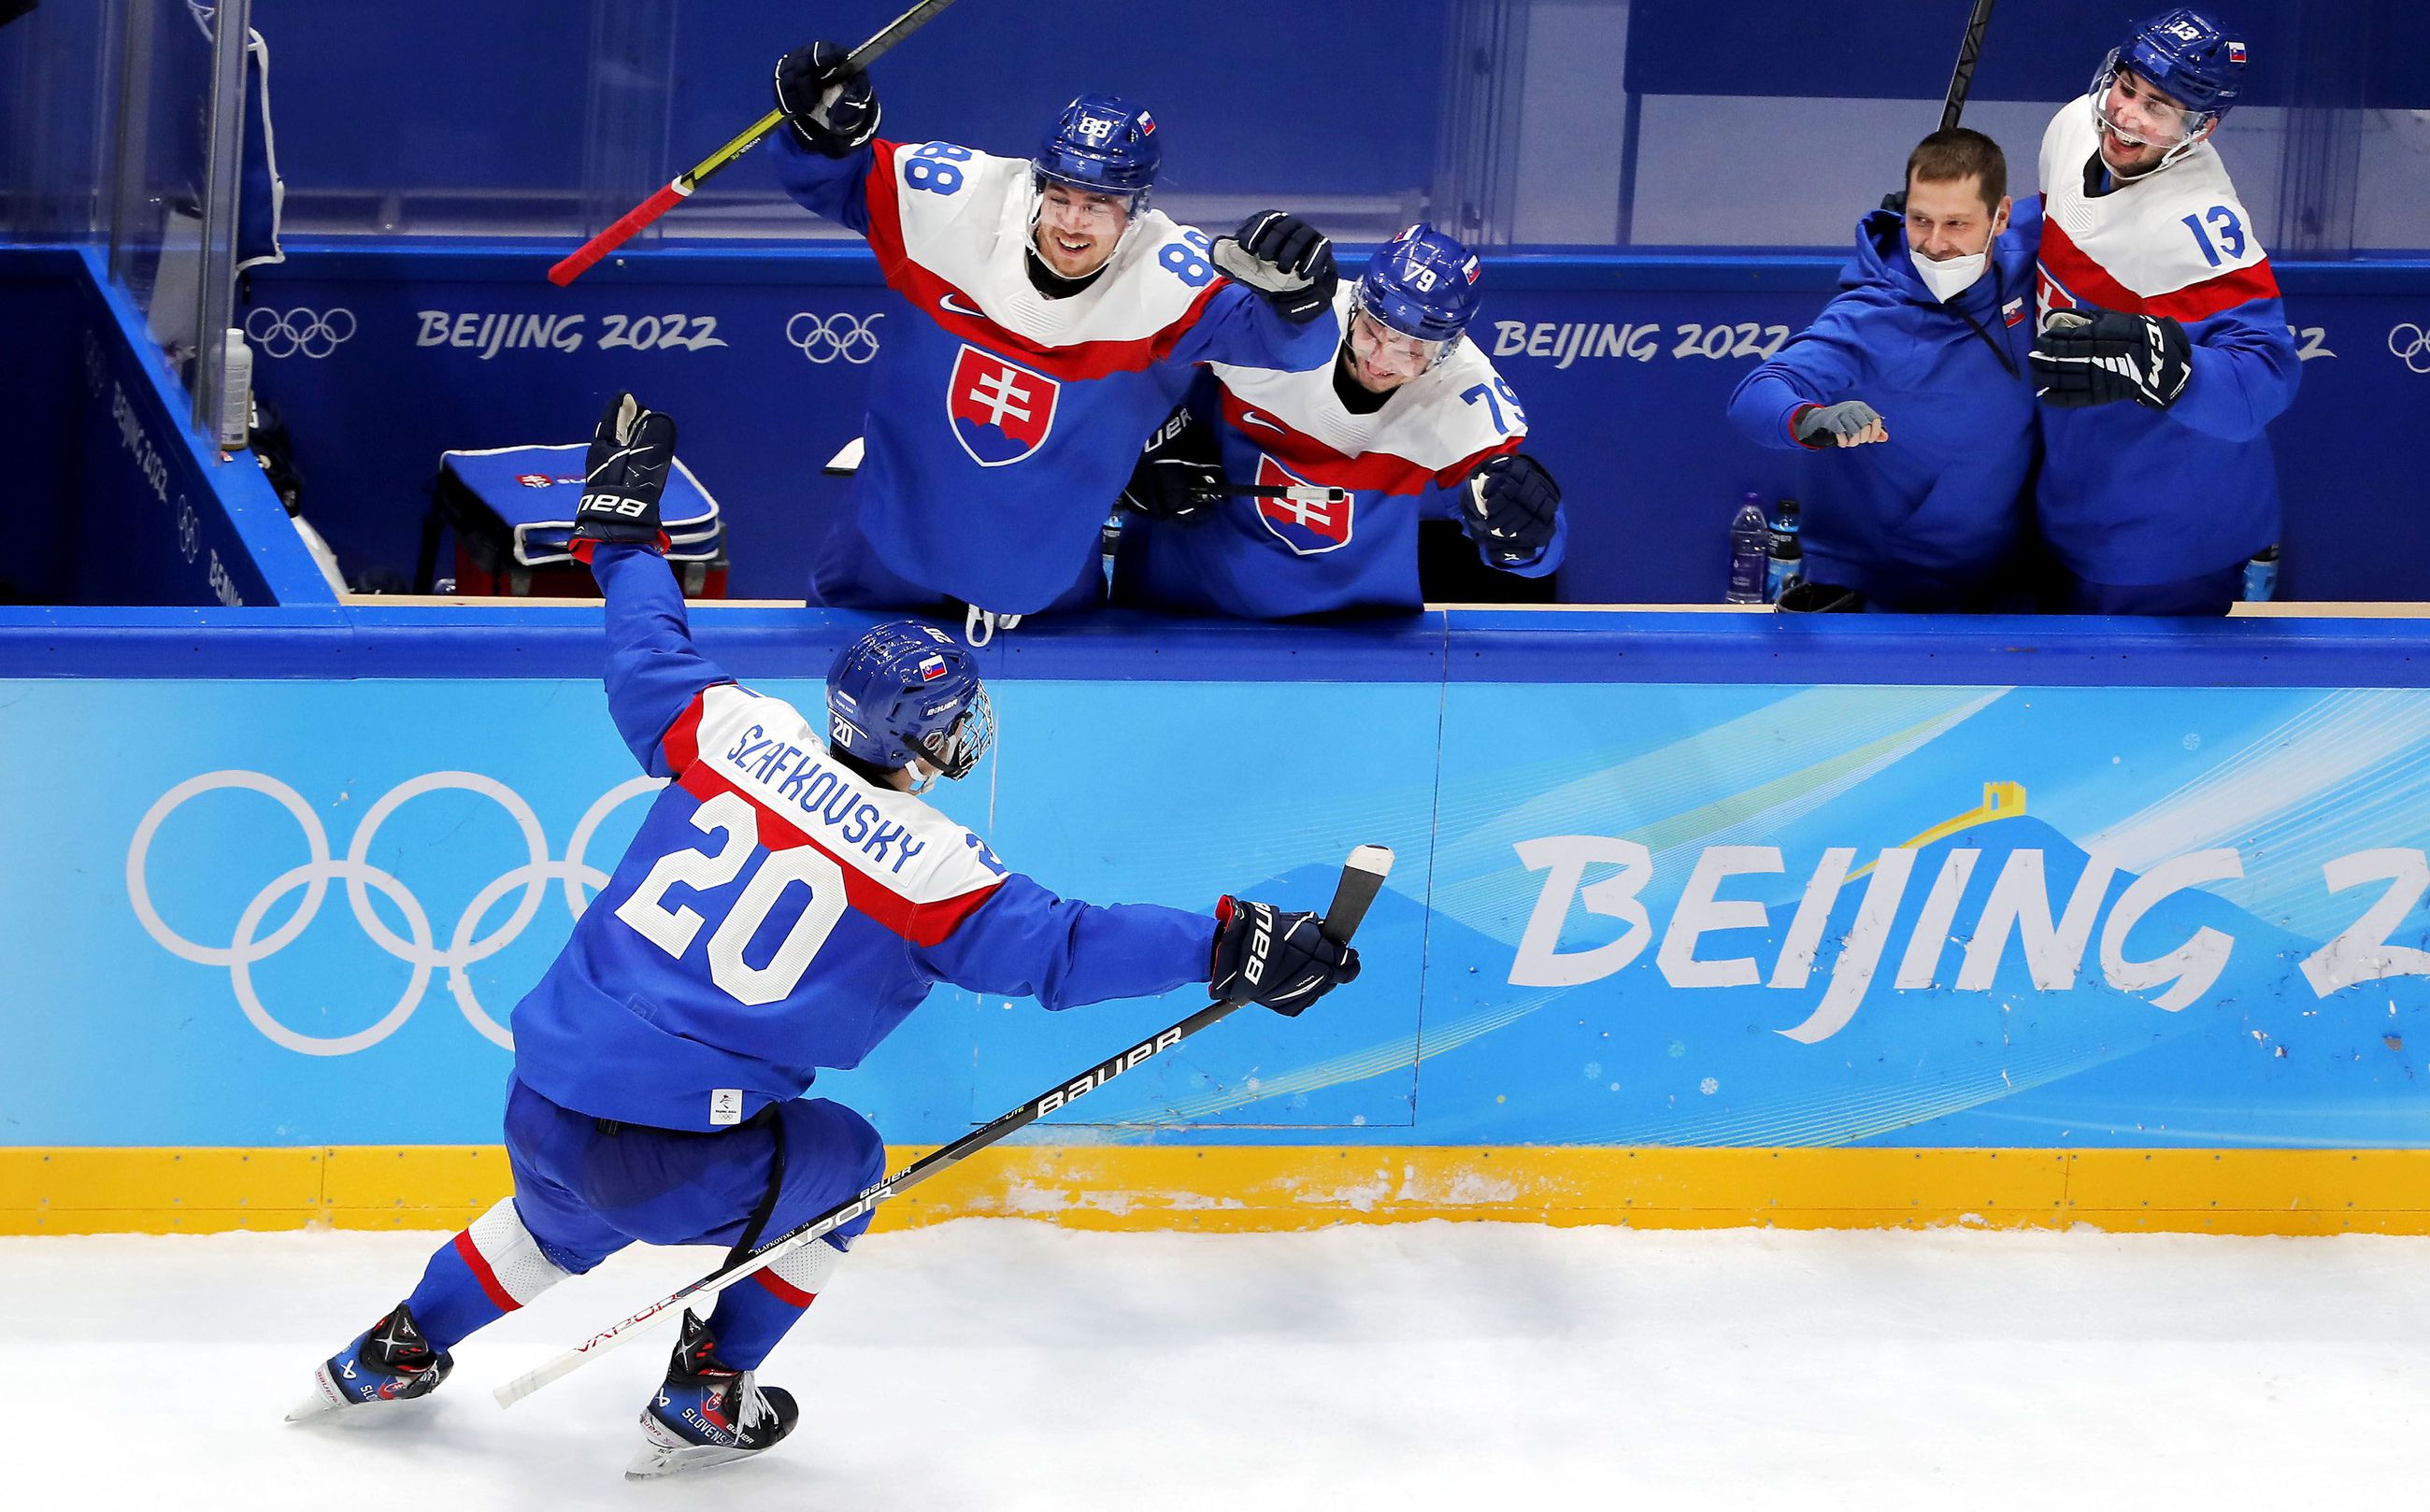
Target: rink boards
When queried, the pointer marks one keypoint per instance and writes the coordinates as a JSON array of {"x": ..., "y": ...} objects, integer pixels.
[{"x": 2070, "y": 934}]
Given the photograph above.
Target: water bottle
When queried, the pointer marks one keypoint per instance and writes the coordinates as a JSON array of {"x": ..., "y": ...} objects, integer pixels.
[
  {"x": 1750, "y": 553},
  {"x": 1109, "y": 541},
  {"x": 2261, "y": 575},
  {"x": 236, "y": 391},
  {"x": 1788, "y": 556}
]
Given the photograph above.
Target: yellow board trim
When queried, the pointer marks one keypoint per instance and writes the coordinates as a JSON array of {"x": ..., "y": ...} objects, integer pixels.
[{"x": 1272, "y": 1188}]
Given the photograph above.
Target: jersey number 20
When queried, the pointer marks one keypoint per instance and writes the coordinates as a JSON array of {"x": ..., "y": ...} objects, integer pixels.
[{"x": 673, "y": 930}]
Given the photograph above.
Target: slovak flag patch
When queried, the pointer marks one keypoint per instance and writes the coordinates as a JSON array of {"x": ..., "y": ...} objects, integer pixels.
[
  {"x": 1001, "y": 410},
  {"x": 1308, "y": 530},
  {"x": 2236, "y": 52},
  {"x": 2013, "y": 312}
]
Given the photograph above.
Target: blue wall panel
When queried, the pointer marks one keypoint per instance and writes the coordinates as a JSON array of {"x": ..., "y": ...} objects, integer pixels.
[
  {"x": 1625, "y": 365},
  {"x": 1753, "y": 913}
]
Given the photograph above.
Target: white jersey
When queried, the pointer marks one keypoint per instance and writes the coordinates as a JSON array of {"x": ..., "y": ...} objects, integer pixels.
[
  {"x": 1432, "y": 433},
  {"x": 961, "y": 252},
  {"x": 2177, "y": 242}
]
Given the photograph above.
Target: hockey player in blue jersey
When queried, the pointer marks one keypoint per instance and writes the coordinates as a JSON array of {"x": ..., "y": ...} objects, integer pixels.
[
  {"x": 788, "y": 902},
  {"x": 2163, "y": 352},
  {"x": 1061, "y": 315},
  {"x": 1409, "y": 420}
]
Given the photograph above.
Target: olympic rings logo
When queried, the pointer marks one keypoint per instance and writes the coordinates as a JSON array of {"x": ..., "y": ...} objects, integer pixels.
[
  {"x": 847, "y": 336},
  {"x": 2413, "y": 351},
  {"x": 285, "y": 333},
  {"x": 249, "y": 946}
]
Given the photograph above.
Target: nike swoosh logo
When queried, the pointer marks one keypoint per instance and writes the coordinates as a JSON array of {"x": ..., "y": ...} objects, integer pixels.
[
  {"x": 959, "y": 308},
  {"x": 1249, "y": 417}
]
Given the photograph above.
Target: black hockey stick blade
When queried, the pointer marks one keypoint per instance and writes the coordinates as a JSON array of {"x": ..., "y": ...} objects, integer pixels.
[{"x": 1362, "y": 875}]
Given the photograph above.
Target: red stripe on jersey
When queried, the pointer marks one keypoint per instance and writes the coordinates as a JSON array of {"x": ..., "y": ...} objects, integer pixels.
[
  {"x": 681, "y": 743},
  {"x": 2067, "y": 265},
  {"x": 1077, "y": 360},
  {"x": 1369, "y": 472},
  {"x": 470, "y": 1254},
  {"x": 783, "y": 1291},
  {"x": 922, "y": 924},
  {"x": 884, "y": 209}
]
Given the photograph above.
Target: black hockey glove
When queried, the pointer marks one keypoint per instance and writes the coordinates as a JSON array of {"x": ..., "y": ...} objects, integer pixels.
[
  {"x": 1827, "y": 425},
  {"x": 1281, "y": 960},
  {"x": 629, "y": 457},
  {"x": 1285, "y": 259},
  {"x": 2087, "y": 356},
  {"x": 1179, "y": 477},
  {"x": 835, "y": 111},
  {"x": 1509, "y": 508}
]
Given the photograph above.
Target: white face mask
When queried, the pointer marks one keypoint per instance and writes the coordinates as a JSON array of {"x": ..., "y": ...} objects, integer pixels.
[{"x": 1949, "y": 278}]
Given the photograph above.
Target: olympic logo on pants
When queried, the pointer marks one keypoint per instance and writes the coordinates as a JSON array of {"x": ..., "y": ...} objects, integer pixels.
[
  {"x": 2413, "y": 350},
  {"x": 249, "y": 946},
  {"x": 285, "y": 333},
  {"x": 847, "y": 336}
]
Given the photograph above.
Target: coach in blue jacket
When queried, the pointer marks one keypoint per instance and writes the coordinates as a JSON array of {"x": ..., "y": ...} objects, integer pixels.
[{"x": 1917, "y": 368}]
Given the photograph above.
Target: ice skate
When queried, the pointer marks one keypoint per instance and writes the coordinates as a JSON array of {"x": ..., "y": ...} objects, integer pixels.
[
  {"x": 707, "y": 1413},
  {"x": 389, "y": 1362}
]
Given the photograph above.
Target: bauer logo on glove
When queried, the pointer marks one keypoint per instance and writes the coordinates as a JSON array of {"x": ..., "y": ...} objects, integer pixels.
[{"x": 630, "y": 455}]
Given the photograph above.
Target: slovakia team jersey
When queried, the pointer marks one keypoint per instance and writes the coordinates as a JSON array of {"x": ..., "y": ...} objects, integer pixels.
[
  {"x": 778, "y": 913},
  {"x": 1002, "y": 427},
  {"x": 1270, "y": 558},
  {"x": 2130, "y": 496}
]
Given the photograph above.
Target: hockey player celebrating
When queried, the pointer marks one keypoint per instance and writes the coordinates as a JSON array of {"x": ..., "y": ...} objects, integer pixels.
[
  {"x": 1062, "y": 313},
  {"x": 1410, "y": 419},
  {"x": 788, "y": 902},
  {"x": 2163, "y": 352}
]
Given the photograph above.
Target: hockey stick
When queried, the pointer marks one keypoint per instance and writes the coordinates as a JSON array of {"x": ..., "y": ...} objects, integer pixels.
[
  {"x": 691, "y": 179},
  {"x": 1296, "y": 492},
  {"x": 1961, "y": 83},
  {"x": 1970, "y": 51},
  {"x": 1362, "y": 875}
]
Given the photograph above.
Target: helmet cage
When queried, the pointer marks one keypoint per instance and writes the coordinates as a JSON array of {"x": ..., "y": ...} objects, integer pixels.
[
  {"x": 1379, "y": 305},
  {"x": 904, "y": 694},
  {"x": 2189, "y": 120},
  {"x": 954, "y": 750}
]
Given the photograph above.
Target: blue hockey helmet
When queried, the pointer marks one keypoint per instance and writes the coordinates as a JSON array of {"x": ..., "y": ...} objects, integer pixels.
[
  {"x": 1104, "y": 144},
  {"x": 905, "y": 691},
  {"x": 1422, "y": 284},
  {"x": 2184, "y": 54}
]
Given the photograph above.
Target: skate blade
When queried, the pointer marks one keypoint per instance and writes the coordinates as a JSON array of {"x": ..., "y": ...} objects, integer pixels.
[
  {"x": 324, "y": 1398},
  {"x": 666, "y": 1455}
]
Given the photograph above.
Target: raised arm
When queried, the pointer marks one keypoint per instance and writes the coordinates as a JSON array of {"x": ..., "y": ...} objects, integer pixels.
[{"x": 653, "y": 675}]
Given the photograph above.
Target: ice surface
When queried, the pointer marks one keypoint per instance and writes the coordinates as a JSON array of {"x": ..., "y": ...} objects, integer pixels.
[{"x": 1476, "y": 1367}]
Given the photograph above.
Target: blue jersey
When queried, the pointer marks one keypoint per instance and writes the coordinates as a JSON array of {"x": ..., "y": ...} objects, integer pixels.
[
  {"x": 1406, "y": 461},
  {"x": 1924, "y": 518},
  {"x": 2130, "y": 496},
  {"x": 778, "y": 913},
  {"x": 1004, "y": 425}
]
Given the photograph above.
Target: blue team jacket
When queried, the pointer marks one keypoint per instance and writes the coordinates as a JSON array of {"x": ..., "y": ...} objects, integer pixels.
[
  {"x": 1929, "y": 513},
  {"x": 776, "y": 913}
]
